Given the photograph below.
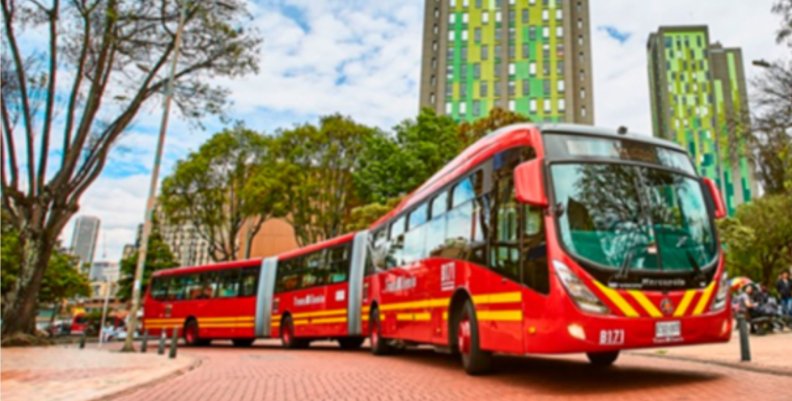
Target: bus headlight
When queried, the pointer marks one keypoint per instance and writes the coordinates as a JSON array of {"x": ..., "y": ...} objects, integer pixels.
[
  {"x": 720, "y": 296},
  {"x": 578, "y": 291}
]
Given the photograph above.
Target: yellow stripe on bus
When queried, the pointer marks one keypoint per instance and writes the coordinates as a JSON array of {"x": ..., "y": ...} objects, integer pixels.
[
  {"x": 645, "y": 303},
  {"x": 417, "y": 317},
  {"x": 319, "y": 313},
  {"x": 704, "y": 300},
  {"x": 499, "y": 315},
  {"x": 329, "y": 320},
  {"x": 226, "y": 325},
  {"x": 498, "y": 298},
  {"x": 684, "y": 303},
  {"x": 227, "y": 319},
  {"x": 170, "y": 320},
  {"x": 429, "y": 303},
  {"x": 617, "y": 299}
]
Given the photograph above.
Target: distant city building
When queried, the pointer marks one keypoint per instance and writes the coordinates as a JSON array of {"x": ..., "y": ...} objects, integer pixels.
[
  {"x": 104, "y": 271},
  {"x": 528, "y": 56},
  {"x": 84, "y": 238},
  {"x": 698, "y": 96},
  {"x": 186, "y": 244}
]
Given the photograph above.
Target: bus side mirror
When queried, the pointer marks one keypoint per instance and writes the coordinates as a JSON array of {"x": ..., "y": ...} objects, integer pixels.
[
  {"x": 529, "y": 183},
  {"x": 717, "y": 200}
]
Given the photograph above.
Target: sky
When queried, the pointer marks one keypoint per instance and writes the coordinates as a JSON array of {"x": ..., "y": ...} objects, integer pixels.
[{"x": 362, "y": 59}]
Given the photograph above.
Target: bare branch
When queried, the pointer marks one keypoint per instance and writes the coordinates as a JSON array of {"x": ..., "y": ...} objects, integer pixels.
[
  {"x": 27, "y": 117},
  {"x": 51, "y": 93}
]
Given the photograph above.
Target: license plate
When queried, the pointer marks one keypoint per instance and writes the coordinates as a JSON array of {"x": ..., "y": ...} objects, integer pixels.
[{"x": 668, "y": 329}]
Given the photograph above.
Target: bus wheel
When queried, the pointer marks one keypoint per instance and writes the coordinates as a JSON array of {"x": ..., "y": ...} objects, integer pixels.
[
  {"x": 602, "y": 358},
  {"x": 379, "y": 345},
  {"x": 288, "y": 340},
  {"x": 475, "y": 360},
  {"x": 350, "y": 342},
  {"x": 243, "y": 342},
  {"x": 191, "y": 337}
]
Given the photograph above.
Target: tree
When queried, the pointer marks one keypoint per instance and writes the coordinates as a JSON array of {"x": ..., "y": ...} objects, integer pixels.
[
  {"x": 392, "y": 166},
  {"x": 64, "y": 106},
  {"x": 159, "y": 257},
  {"x": 767, "y": 134},
  {"x": 62, "y": 279},
  {"x": 758, "y": 239},
  {"x": 362, "y": 217},
  {"x": 497, "y": 118},
  {"x": 315, "y": 166},
  {"x": 211, "y": 189}
]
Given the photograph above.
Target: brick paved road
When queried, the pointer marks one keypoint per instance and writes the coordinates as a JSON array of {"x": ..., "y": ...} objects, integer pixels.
[{"x": 266, "y": 372}]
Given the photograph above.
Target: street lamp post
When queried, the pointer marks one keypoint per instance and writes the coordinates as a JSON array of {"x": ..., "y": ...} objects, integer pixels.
[{"x": 147, "y": 222}]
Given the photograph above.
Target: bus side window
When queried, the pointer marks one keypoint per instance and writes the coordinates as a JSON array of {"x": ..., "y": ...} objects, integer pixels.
[
  {"x": 229, "y": 284},
  {"x": 338, "y": 260},
  {"x": 396, "y": 242},
  {"x": 159, "y": 288},
  {"x": 249, "y": 281}
]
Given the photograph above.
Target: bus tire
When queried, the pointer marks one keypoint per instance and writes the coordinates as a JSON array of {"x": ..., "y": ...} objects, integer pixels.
[
  {"x": 243, "y": 342},
  {"x": 191, "y": 336},
  {"x": 475, "y": 360},
  {"x": 288, "y": 340},
  {"x": 350, "y": 342},
  {"x": 602, "y": 358},
  {"x": 379, "y": 345}
]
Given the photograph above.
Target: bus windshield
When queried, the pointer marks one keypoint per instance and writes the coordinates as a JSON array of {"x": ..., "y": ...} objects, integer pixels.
[{"x": 632, "y": 217}]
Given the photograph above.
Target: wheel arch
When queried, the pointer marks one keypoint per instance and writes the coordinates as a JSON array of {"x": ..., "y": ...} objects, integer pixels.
[{"x": 457, "y": 302}]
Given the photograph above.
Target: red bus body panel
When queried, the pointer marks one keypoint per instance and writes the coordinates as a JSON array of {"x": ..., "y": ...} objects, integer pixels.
[{"x": 217, "y": 317}]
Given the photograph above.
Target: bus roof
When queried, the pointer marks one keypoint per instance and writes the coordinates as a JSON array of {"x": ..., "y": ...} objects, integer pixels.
[
  {"x": 504, "y": 138},
  {"x": 579, "y": 129},
  {"x": 319, "y": 245},
  {"x": 237, "y": 264}
]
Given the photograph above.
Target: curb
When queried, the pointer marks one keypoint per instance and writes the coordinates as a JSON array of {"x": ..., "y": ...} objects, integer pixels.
[
  {"x": 106, "y": 397},
  {"x": 733, "y": 365}
]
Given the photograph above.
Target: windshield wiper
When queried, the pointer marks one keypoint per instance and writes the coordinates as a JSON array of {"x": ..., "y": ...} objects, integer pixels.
[{"x": 693, "y": 262}]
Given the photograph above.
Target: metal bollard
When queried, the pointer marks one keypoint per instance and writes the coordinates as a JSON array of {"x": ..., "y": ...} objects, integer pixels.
[
  {"x": 82, "y": 340},
  {"x": 172, "y": 353},
  {"x": 144, "y": 344},
  {"x": 745, "y": 348},
  {"x": 161, "y": 347}
]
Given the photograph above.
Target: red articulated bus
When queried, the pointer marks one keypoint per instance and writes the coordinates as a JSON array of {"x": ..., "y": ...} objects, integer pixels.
[
  {"x": 536, "y": 239},
  {"x": 307, "y": 294}
]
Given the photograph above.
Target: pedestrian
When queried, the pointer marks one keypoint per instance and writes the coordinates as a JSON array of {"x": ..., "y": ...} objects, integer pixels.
[{"x": 784, "y": 288}]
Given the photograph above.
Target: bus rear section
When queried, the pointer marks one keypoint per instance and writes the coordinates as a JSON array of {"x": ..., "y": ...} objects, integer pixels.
[
  {"x": 317, "y": 293},
  {"x": 204, "y": 303},
  {"x": 551, "y": 239}
]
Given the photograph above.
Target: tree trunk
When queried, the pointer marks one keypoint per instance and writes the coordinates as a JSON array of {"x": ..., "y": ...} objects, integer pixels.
[{"x": 20, "y": 305}]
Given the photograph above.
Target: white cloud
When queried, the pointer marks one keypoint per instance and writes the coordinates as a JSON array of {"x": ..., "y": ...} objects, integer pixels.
[{"x": 376, "y": 48}]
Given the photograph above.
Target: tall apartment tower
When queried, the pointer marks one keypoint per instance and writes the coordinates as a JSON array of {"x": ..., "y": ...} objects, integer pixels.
[
  {"x": 83, "y": 242},
  {"x": 528, "y": 56},
  {"x": 698, "y": 97}
]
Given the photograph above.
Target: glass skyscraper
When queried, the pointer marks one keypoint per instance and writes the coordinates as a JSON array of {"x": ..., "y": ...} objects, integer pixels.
[
  {"x": 699, "y": 100},
  {"x": 528, "y": 56}
]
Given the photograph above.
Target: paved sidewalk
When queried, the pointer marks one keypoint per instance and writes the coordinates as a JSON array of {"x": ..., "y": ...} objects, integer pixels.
[
  {"x": 66, "y": 373},
  {"x": 770, "y": 353}
]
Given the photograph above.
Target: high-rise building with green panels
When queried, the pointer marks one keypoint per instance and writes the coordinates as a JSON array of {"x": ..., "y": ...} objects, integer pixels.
[
  {"x": 528, "y": 56},
  {"x": 699, "y": 100}
]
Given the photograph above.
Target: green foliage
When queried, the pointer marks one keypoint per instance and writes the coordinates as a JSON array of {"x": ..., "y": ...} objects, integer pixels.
[
  {"x": 159, "y": 257},
  {"x": 758, "y": 239},
  {"x": 62, "y": 279},
  {"x": 392, "y": 166},
  {"x": 363, "y": 216},
  {"x": 315, "y": 165},
  {"x": 214, "y": 189},
  {"x": 469, "y": 133}
]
